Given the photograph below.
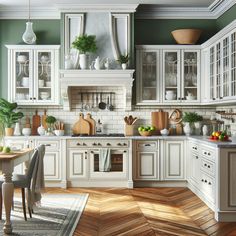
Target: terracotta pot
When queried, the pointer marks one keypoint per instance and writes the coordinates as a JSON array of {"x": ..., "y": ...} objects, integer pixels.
[
  {"x": 186, "y": 36},
  {"x": 9, "y": 131}
]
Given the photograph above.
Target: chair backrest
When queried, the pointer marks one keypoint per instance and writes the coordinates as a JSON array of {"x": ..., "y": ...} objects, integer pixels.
[{"x": 32, "y": 164}]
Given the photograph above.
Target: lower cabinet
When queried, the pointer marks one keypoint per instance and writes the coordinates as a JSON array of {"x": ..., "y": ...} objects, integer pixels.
[
  {"x": 173, "y": 160},
  {"x": 194, "y": 168},
  {"x": 51, "y": 166},
  {"x": 78, "y": 164}
]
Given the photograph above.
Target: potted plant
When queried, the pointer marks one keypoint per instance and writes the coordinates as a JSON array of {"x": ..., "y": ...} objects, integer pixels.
[
  {"x": 123, "y": 59},
  {"x": 50, "y": 120},
  {"x": 190, "y": 118},
  {"x": 8, "y": 116},
  {"x": 84, "y": 43}
]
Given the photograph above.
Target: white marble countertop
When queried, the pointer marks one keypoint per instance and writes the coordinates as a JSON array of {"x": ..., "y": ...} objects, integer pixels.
[{"x": 203, "y": 139}]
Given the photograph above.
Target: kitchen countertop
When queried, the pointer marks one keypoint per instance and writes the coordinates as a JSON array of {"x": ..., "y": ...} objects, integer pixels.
[{"x": 203, "y": 139}]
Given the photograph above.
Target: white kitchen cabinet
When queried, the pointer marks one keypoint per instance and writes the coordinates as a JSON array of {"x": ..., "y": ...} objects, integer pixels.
[
  {"x": 168, "y": 74},
  {"x": 174, "y": 160},
  {"x": 33, "y": 74},
  {"x": 77, "y": 164},
  {"x": 146, "y": 160}
]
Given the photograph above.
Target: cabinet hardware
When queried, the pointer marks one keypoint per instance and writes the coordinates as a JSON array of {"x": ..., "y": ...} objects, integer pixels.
[
  {"x": 202, "y": 180},
  {"x": 35, "y": 98},
  {"x": 209, "y": 166},
  {"x": 124, "y": 151},
  {"x": 147, "y": 145},
  {"x": 205, "y": 181},
  {"x": 124, "y": 144},
  {"x": 179, "y": 98},
  {"x": 209, "y": 183},
  {"x": 213, "y": 99},
  {"x": 31, "y": 98},
  {"x": 84, "y": 144},
  {"x": 221, "y": 97},
  {"x": 209, "y": 153},
  {"x": 99, "y": 144},
  {"x": 48, "y": 145},
  {"x": 92, "y": 151},
  {"x": 205, "y": 153},
  {"x": 108, "y": 144},
  {"x": 85, "y": 152},
  {"x": 78, "y": 144},
  {"x": 94, "y": 144},
  {"x": 205, "y": 164},
  {"x": 196, "y": 157},
  {"x": 118, "y": 144}
]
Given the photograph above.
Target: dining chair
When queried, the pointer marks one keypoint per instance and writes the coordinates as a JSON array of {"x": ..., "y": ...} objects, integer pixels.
[{"x": 22, "y": 181}]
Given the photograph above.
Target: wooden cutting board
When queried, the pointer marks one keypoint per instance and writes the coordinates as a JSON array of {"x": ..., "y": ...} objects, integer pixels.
[
  {"x": 27, "y": 122},
  {"x": 44, "y": 117},
  {"x": 160, "y": 120},
  {"x": 36, "y": 122},
  {"x": 82, "y": 126},
  {"x": 92, "y": 123}
]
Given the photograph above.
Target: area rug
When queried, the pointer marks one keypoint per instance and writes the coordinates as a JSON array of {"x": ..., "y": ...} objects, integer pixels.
[{"x": 58, "y": 215}]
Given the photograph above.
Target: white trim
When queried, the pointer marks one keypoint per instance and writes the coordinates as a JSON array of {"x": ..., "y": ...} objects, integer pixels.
[
  {"x": 29, "y": 47},
  {"x": 214, "y": 11}
]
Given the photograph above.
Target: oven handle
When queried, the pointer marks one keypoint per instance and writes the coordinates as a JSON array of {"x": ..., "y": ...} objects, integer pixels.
[{"x": 119, "y": 151}]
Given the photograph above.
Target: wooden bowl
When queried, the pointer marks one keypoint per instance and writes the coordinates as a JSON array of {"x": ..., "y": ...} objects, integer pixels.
[
  {"x": 145, "y": 133},
  {"x": 186, "y": 36}
]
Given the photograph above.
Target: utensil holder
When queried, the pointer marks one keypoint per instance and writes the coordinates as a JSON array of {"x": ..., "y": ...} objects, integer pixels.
[{"x": 129, "y": 130}]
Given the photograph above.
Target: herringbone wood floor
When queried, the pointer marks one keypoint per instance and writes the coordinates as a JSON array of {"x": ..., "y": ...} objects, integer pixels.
[{"x": 146, "y": 212}]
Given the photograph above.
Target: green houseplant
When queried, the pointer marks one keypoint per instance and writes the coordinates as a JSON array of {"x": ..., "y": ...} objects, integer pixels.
[
  {"x": 190, "y": 118},
  {"x": 8, "y": 116},
  {"x": 50, "y": 120},
  {"x": 84, "y": 43},
  {"x": 123, "y": 59}
]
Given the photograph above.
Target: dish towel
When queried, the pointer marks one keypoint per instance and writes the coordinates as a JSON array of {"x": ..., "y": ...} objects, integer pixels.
[
  {"x": 104, "y": 159},
  {"x": 37, "y": 183}
]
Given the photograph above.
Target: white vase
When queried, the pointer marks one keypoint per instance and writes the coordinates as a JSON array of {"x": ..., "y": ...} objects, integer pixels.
[
  {"x": 198, "y": 126},
  {"x": 83, "y": 61},
  {"x": 187, "y": 129},
  {"x": 124, "y": 66},
  {"x": 17, "y": 131},
  {"x": 41, "y": 130},
  {"x": 204, "y": 130}
]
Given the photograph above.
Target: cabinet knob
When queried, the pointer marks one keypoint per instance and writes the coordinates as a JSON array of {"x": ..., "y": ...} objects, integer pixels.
[
  {"x": 205, "y": 164},
  {"x": 31, "y": 98},
  {"x": 205, "y": 181},
  {"x": 125, "y": 151},
  {"x": 213, "y": 99},
  {"x": 119, "y": 144},
  {"x": 209, "y": 166},
  {"x": 94, "y": 144},
  {"x": 196, "y": 157},
  {"x": 99, "y": 144},
  {"x": 205, "y": 153},
  {"x": 108, "y": 144},
  {"x": 78, "y": 144},
  {"x": 209, "y": 154},
  {"x": 202, "y": 180},
  {"x": 209, "y": 183},
  {"x": 124, "y": 144},
  {"x": 147, "y": 145},
  {"x": 84, "y": 144},
  {"x": 221, "y": 97}
]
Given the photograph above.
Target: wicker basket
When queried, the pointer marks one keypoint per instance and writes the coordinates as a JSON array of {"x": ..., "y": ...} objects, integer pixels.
[{"x": 186, "y": 36}]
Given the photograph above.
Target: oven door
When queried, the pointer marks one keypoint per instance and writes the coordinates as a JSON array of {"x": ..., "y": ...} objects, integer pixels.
[{"x": 118, "y": 164}]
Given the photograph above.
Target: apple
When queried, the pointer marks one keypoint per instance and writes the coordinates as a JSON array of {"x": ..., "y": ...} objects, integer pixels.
[{"x": 6, "y": 149}]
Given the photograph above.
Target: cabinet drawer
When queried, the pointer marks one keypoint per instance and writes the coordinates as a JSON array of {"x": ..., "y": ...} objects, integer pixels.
[
  {"x": 208, "y": 167},
  {"x": 147, "y": 145},
  {"x": 194, "y": 147},
  {"x": 51, "y": 145},
  {"x": 208, "y": 186},
  {"x": 208, "y": 153}
]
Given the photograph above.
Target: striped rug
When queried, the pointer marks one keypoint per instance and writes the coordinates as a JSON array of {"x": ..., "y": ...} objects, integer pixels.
[{"x": 58, "y": 215}]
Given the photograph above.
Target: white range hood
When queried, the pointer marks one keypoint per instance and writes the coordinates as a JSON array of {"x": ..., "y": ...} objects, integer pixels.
[{"x": 100, "y": 78}]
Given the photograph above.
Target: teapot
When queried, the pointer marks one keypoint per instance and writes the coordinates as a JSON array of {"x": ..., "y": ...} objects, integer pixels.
[{"x": 97, "y": 64}]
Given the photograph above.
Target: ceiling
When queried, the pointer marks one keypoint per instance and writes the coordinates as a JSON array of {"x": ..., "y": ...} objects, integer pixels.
[{"x": 51, "y": 3}]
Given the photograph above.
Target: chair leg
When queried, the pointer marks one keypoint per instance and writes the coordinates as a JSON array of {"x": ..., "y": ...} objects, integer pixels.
[
  {"x": 29, "y": 207},
  {"x": 23, "y": 202},
  {"x": 0, "y": 203}
]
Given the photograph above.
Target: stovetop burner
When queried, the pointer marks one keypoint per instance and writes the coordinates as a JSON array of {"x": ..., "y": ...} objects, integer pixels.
[{"x": 99, "y": 135}]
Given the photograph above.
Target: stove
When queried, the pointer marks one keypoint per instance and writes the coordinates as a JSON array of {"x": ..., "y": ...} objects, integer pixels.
[{"x": 99, "y": 135}]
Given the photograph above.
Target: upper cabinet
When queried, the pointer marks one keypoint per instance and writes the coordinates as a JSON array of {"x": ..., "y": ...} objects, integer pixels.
[
  {"x": 219, "y": 54},
  {"x": 168, "y": 75},
  {"x": 33, "y": 74}
]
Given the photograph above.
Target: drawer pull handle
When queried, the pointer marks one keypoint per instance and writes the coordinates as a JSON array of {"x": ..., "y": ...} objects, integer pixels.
[
  {"x": 92, "y": 151},
  {"x": 78, "y": 144},
  {"x": 196, "y": 157},
  {"x": 209, "y": 153},
  {"x": 48, "y": 145},
  {"x": 205, "y": 164},
  {"x": 202, "y": 180},
  {"x": 84, "y": 144},
  {"x": 99, "y": 144},
  {"x": 108, "y": 144},
  {"x": 118, "y": 144},
  {"x": 124, "y": 144},
  {"x": 147, "y": 145},
  {"x": 205, "y": 181},
  {"x": 209, "y": 183},
  {"x": 209, "y": 166},
  {"x": 94, "y": 144}
]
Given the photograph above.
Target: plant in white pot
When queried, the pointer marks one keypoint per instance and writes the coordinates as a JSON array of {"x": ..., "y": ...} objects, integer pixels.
[
  {"x": 189, "y": 118},
  {"x": 84, "y": 43},
  {"x": 123, "y": 59},
  {"x": 8, "y": 117}
]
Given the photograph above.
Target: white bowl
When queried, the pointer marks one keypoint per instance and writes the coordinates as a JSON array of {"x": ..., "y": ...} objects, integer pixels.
[
  {"x": 164, "y": 132},
  {"x": 44, "y": 95},
  {"x": 26, "y": 131},
  {"x": 22, "y": 58},
  {"x": 59, "y": 132},
  {"x": 191, "y": 97},
  {"x": 170, "y": 96}
]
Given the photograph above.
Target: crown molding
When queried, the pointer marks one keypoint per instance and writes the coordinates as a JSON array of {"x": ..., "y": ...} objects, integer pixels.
[{"x": 214, "y": 11}]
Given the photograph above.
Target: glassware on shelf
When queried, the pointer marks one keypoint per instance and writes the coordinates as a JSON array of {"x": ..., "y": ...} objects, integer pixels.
[
  {"x": 22, "y": 77},
  {"x": 44, "y": 73}
]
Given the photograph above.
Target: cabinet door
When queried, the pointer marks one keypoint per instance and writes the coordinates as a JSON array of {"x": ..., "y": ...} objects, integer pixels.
[
  {"x": 212, "y": 72},
  {"x": 44, "y": 88},
  {"x": 194, "y": 172},
  {"x": 148, "y": 76},
  {"x": 51, "y": 166},
  {"x": 20, "y": 73},
  {"x": 78, "y": 167},
  {"x": 174, "y": 160},
  {"x": 190, "y": 83},
  {"x": 233, "y": 65},
  {"x": 146, "y": 166},
  {"x": 171, "y": 76}
]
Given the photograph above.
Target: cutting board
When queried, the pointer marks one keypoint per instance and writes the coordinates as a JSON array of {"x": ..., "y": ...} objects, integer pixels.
[
  {"x": 82, "y": 126},
  {"x": 27, "y": 122},
  {"x": 44, "y": 117},
  {"x": 92, "y": 123},
  {"x": 160, "y": 120},
  {"x": 36, "y": 122}
]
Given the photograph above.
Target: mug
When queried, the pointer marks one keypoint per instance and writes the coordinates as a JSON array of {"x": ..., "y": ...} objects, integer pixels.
[{"x": 41, "y": 83}]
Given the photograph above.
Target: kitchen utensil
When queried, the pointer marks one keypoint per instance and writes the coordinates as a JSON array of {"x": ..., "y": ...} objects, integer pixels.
[
  {"x": 92, "y": 123},
  {"x": 82, "y": 126},
  {"x": 44, "y": 117},
  {"x": 102, "y": 105},
  {"x": 86, "y": 106},
  {"x": 108, "y": 104},
  {"x": 96, "y": 108},
  {"x": 111, "y": 107},
  {"x": 36, "y": 120},
  {"x": 82, "y": 102},
  {"x": 159, "y": 120}
]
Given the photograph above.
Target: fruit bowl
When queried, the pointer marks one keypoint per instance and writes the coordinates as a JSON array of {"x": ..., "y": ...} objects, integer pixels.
[{"x": 146, "y": 133}]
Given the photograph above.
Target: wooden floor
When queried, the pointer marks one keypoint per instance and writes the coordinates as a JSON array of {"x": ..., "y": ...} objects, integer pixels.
[{"x": 147, "y": 211}]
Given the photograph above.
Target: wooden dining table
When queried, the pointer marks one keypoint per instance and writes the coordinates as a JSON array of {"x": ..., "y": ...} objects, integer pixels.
[{"x": 7, "y": 163}]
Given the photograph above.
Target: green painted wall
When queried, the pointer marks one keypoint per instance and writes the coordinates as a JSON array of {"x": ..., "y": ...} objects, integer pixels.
[
  {"x": 226, "y": 18},
  {"x": 159, "y": 31},
  {"x": 47, "y": 31}
]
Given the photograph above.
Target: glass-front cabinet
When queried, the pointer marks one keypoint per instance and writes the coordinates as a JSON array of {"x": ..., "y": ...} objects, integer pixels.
[
  {"x": 181, "y": 76},
  {"x": 33, "y": 74},
  {"x": 167, "y": 75},
  {"x": 222, "y": 73}
]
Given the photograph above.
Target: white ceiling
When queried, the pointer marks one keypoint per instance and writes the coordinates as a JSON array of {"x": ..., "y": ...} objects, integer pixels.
[{"x": 51, "y": 3}]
